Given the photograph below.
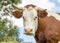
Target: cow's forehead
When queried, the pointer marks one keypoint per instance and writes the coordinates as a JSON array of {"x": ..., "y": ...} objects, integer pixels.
[{"x": 30, "y": 5}]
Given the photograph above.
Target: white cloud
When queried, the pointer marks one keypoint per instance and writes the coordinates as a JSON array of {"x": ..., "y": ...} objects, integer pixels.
[
  {"x": 56, "y": 9},
  {"x": 41, "y": 3},
  {"x": 58, "y": 1}
]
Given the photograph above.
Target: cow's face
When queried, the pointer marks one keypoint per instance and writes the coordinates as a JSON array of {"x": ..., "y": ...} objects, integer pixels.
[{"x": 30, "y": 18}]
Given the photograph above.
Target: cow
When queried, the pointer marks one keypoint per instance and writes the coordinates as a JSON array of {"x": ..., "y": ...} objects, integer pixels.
[{"x": 43, "y": 24}]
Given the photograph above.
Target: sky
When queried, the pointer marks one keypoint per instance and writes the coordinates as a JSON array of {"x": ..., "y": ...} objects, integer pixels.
[{"x": 52, "y": 5}]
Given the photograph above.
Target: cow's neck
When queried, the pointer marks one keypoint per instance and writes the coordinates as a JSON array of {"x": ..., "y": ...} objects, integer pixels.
[{"x": 40, "y": 24}]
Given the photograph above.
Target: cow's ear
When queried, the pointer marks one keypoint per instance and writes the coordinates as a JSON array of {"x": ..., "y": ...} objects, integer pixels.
[
  {"x": 42, "y": 13},
  {"x": 17, "y": 14}
]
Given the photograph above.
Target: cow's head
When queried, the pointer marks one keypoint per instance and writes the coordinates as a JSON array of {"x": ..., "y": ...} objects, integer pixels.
[{"x": 30, "y": 16}]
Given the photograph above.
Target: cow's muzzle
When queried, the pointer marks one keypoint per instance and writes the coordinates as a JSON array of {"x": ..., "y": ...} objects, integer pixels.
[{"x": 28, "y": 31}]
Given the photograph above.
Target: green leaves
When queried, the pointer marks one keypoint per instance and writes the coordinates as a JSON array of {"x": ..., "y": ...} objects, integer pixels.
[
  {"x": 7, "y": 33},
  {"x": 16, "y": 1},
  {"x": 2, "y": 24},
  {"x": 6, "y": 2}
]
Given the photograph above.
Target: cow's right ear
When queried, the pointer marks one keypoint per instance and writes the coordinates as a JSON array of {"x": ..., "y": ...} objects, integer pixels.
[
  {"x": 42, "y": 13},
  {"x": 17, "y": 14}
]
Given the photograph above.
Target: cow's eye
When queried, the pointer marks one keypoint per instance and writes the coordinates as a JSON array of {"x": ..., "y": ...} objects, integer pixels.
[
  {"x": 24, "y": 18},
  {"x": 35, "y": 18}
]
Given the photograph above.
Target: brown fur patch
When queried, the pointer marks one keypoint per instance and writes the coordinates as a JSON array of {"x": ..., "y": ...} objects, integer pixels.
[
  {"x": 50, "y": 28},
  {"x": 17, "y": 14},
  {"x": 29, "y": 5},
  {"x": 42, "y": 13}
]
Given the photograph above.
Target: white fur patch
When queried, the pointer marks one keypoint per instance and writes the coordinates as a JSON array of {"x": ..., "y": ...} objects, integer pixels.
[{"x": 50, "y": 13}]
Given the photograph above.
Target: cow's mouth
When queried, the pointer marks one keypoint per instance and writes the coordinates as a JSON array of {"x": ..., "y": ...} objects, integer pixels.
[{"x": 28, "y": 33}]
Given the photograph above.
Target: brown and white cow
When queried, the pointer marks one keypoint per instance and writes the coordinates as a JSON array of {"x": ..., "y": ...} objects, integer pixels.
[{"x": 43, "y": 24}]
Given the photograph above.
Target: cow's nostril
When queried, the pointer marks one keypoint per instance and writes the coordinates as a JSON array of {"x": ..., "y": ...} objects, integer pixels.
[
  {"x": 25, "y": 30},
  {"x": 30, "y": 30}
]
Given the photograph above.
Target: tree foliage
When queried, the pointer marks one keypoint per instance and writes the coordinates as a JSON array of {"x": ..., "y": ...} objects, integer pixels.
[
  {"x": 6, "y": 2},
  {"x": 8, "y": 32}
]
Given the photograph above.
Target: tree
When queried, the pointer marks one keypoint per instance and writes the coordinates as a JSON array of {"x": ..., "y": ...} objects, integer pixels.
[
  {"x": 6, "y": 2},
  {"x": 10, "y": 32}
]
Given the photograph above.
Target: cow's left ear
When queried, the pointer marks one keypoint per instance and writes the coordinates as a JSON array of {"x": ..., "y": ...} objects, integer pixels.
[
  {"x": 42, "y": 13},
  {"x": 17, "y": 14}
]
